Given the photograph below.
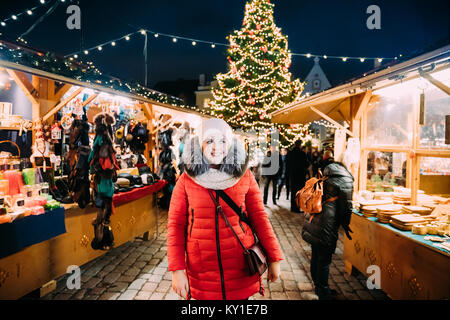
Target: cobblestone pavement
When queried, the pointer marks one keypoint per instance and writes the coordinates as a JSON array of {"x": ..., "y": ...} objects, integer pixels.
[{"x": 138, "y": 269}]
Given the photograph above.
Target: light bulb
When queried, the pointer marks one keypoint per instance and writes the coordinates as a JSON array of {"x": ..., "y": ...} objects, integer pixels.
[
  {"x": 100, "y": 48},
  {"x": 308, "y": 55},
  {"x": 142, "y": 31},
  {"x": 194, "y": 43},
  {"x": 174, "y": 39},
  {"x": 42, "y": 1},
  {"x": 29, "y": 12},
  {"x": 127, "y": 38},
  {"x": 75, "y": 56},
  {"x": 86, "y": 52},
  {"x": 156, "y": 35},
  {"x": 344, "y": 59},
  {"x": 3, "y": 23},
  {"x": 362, "y": 59},
  {"x": 380, "y": 59},
  {"x": 14, "y": 17},
  {"x": 113, "y": 43}
]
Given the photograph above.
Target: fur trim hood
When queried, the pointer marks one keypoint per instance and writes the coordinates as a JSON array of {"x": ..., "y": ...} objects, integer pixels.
[{"x": 225, "y": 176}]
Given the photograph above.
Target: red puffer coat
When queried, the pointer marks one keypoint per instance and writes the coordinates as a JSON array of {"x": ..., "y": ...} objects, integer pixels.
[{"x": 213, "y": 257}]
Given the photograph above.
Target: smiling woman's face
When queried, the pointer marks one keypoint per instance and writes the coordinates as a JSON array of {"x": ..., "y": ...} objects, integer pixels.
[{"x": 215, "y": 148}]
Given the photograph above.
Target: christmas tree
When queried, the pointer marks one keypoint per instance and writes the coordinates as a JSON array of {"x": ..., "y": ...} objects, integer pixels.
[{"x": 258, "y": 80}]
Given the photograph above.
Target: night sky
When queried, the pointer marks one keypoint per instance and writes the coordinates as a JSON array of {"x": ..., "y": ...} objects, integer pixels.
[{"x": 329, "y": 27}]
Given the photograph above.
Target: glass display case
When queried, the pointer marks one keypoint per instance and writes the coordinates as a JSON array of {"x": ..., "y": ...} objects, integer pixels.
[
  {"x": 403, "y": 137},
  {"x": 436, "y": 107},
  {"x": 385, "y": 170},
  {"x": 390, "y": 118}
]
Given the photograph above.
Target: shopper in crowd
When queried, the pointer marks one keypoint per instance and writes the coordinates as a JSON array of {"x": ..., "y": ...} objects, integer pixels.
[
  {"x": 322, "y": 231},
  {"x": 326, "y": 160},
  {"x": 271, "y": 171},
  {"x": 256, "y": 164},
  {"x": 315, "y": 159},
  {"x": 282, "y": 174},
  {"x": 205, "y": 257},
  {"x": 297, "y": 166}
]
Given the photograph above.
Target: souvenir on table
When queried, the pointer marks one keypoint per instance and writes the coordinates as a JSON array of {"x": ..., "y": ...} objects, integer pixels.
[
  {"x": 406, "y": 221},
  {"x": 385, "y": 212},
  {"x": 419, "y": 229},
  {"x": 416, "y": 209}
]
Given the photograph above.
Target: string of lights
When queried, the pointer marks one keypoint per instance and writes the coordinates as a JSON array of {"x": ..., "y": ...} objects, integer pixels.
[
  {"x": 212, "y": 44},
  {"x": 28, "y": 12}
]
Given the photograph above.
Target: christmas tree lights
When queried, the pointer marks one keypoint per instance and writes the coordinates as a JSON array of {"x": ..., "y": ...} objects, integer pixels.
[{"x": 258, "y": 81}]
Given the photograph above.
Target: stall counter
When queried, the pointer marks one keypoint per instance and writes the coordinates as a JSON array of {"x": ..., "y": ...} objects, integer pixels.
[
  {"x": 410, "y": 267},
  {"x": 39, "y": 264}
]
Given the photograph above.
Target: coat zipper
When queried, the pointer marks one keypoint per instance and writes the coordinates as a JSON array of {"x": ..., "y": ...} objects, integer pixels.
[
  {"x": 192, "y": 222},
  {"x": 218, "y": 254}
]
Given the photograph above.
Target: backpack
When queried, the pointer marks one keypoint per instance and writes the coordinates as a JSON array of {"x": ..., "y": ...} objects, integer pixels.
[{"x": 309, "y": 198}]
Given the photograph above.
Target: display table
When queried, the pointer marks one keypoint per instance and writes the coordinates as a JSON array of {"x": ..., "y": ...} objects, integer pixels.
[
  {"x": 36, "y": 265},
  {"x": 411, "y": 267},
  {"x": 30, "y": 230}
]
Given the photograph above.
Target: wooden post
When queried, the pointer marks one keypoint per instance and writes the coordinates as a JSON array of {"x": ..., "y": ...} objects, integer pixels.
[
  {"x": 414, "y": 123},
  {"x": 89, "y": 100},
  {"x": 363, "y": 161},
  {"x": 61, "y": 104},
  {"x": 323, "y": 115}
]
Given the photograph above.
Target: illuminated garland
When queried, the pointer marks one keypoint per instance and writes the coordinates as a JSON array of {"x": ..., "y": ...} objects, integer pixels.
[
  {"x": 258, "y": 81},
  {"x": 29, "y": 12}
]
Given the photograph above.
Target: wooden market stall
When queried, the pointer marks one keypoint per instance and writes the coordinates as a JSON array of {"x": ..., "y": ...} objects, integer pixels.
[
  {"x": 50, "y": 83},
  {"x": 398, "y": 115}
]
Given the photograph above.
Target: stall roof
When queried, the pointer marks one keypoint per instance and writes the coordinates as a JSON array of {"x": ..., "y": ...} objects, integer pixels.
[
  {"x": 334, "y": 102},
  {"x": 68, "y": 70}
]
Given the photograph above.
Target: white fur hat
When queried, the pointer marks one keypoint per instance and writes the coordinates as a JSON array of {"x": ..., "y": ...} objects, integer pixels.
[{"x": 212, "y": 127}]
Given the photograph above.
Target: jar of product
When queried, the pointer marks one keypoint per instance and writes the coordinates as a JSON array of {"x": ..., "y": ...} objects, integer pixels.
[
  {"x": 19, "y": 201},
  {"x": 36, "y": 188},
  {"x": 45, "y": 190},
  {"x": 27, "y": 191}
]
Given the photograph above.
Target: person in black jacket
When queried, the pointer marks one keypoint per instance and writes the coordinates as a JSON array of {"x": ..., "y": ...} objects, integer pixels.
[
  {"x": 326, "y": 160},
  {"x": 296, "y": 168},
  {"x": 282, "y": 174},
  {"x": 322, "y": 231},
  {"x": 271, "y": 171}
]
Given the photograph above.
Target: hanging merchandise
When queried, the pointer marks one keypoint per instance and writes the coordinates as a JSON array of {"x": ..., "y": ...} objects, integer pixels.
[
  {"x": 104, "y": 166},
  {"x": 56, "y": 132},
  {"x": 183, "y": 134},
  {"x": 40, "y": 148},
  {"x": 167, "y": 170},
  {"x": 339, "y": 144},
  {"x": 352, "y": 153},
  {"x": 140, "y": 136},
  {"x": 78, "y": 163}
]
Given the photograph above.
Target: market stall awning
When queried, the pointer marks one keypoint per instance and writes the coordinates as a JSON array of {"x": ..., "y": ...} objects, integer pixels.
[
  {"x": 336, "y": 103},
  {"x": 69, "y": 71},
  {"x": 337, "y": 109}
]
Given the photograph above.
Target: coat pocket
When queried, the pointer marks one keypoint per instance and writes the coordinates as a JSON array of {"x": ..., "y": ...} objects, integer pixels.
[{"x": 194, "y": 257}]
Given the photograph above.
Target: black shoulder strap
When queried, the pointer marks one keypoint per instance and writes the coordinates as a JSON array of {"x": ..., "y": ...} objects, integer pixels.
[{"x": 233, "y": 205}]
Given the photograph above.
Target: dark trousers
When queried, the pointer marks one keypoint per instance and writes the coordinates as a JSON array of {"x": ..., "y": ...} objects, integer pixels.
[
  {"x": 269, "y": 179},
  {"x": 320, "y": 270},
  {"x": 281, "y": 183}
]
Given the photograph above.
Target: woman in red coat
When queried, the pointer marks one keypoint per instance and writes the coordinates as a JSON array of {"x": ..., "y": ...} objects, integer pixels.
[{"x": 205, "y": 257}]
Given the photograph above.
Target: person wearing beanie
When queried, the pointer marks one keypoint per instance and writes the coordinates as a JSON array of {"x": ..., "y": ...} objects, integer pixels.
[{"x": 205, "y": 257}]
